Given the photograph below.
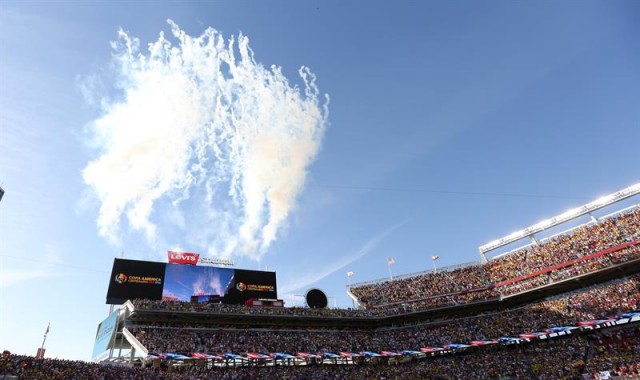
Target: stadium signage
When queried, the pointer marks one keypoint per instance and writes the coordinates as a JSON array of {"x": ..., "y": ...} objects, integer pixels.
[
  {"x": 145, "y": 280},
  {"x": 184, "y": 258},
  {"x": 205, "y": 260},
  {"x": 260, "y": 288}
]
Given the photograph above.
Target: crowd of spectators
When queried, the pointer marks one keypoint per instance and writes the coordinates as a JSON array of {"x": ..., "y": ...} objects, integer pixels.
[
  {"x": 581, "y": 251},
  {"x": 596, "y": 302},
  {"x": 614, "y": 351},
  {"x": 184, "y": 306},
  {"x": 579, "y": 243},
  {"x": 27, "y": 367},
  {"x": 436, "y": 288},
  {"x": 580, "y": 356},
  {"x": 572, "y": 271}
]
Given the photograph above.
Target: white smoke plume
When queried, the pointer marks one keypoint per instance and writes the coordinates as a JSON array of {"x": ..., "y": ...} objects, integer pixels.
[{"x": 203, "y": 133}]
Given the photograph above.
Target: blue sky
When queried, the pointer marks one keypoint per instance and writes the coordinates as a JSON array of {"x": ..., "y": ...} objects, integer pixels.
[{"x": 449, "y": 124}]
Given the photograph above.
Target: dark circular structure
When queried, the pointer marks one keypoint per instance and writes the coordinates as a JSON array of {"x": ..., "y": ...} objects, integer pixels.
[{"x": 316, "y": 299}]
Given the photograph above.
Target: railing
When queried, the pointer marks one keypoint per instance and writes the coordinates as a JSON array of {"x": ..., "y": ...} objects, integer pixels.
[
  {"x": 513, "y": 280},
  {"x": 568, "y": 263}
]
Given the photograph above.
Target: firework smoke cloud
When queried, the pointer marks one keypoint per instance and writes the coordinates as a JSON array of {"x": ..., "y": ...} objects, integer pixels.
[{"x": 203, "y": 141}]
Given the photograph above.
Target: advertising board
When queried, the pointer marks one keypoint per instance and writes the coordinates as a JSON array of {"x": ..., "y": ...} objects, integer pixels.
[{"x": 106, "y": 330}]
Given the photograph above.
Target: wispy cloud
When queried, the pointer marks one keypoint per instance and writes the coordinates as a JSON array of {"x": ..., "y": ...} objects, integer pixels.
[
  {"x": 11, "y": 278},
  {"x": 309, "y": 278},
  {"x": 10, "y": 275},
  {"x": 200, "y": 125}
]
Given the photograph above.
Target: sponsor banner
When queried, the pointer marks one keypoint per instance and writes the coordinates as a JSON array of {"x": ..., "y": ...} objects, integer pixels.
[
  {"x": 105, "y": 332},
  {"x": 206, "y": 260},
  {"x": 185, "y": 258}
]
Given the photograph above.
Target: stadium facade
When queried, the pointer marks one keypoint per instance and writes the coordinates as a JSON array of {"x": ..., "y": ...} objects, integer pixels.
[{"x": 559, "y": 290}]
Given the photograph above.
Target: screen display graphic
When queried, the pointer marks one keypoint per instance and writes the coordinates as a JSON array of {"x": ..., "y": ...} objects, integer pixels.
[{"x": 132, "y": 279}]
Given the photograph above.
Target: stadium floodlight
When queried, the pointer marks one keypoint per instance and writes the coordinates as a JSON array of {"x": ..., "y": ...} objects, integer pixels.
[{"x": 562, "y": 218}]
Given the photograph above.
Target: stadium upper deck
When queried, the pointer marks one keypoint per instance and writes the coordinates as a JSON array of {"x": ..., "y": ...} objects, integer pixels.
[{"x": 612, "y": 242}]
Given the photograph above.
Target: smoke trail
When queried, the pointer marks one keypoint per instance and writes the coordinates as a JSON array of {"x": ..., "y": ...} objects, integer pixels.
[{"x": 205, "y": 134}]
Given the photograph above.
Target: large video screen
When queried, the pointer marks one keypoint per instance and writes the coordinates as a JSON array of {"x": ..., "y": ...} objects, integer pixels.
[
  {"x": 132, "y": 279},
  {"x": 184, "y": 281},
  {"x": 175, "y": 282},
  {"x": 247, "y": 284}
]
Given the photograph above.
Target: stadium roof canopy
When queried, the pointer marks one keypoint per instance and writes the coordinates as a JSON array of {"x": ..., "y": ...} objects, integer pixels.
[{"x": 562, "y": 218}]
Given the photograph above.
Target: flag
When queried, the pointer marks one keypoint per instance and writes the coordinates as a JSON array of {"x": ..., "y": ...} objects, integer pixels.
[
  {"x": 349, "y": 273},
  {"x": 47, "y": 332},
  {"x": 391, "y": 260},
  {"x": 434, "y": 258}
]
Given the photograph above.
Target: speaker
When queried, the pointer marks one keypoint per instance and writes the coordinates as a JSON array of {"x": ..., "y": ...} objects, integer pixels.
[{"x": 316, "y": 299}]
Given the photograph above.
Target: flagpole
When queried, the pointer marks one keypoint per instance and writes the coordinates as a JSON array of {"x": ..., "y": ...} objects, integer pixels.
[
  {"x": 45, "y": 335},
  {"x": 41, "y": 350},
  {"x": 349, "y": 274},
  {"x": 389, "y": 266},
  {"x": 434, "y": 266}
]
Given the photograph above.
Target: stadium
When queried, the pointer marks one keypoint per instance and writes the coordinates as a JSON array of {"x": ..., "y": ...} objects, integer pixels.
[{"x": 562, "y": 306}]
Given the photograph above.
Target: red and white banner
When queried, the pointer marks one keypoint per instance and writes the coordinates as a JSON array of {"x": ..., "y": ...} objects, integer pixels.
[{"x": 184, "y": 258}]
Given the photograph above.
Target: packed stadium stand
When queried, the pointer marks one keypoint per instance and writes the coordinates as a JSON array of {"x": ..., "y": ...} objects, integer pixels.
[
  {"x": 564, "y": 307},
  {"x": 614, "y": 241}
]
